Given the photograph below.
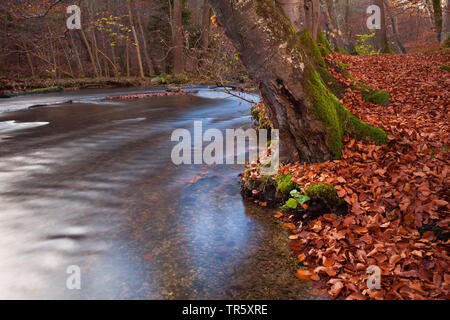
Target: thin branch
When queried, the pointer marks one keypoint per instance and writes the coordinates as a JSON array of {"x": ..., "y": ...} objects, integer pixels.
[{"x": 42, "y": 15}]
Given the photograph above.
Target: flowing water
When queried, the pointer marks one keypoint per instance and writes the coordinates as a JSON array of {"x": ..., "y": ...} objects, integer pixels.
[{"x": 90, "y": 183}]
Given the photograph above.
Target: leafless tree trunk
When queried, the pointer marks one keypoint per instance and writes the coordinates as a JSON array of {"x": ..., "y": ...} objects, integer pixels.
[
  {"x": 151, "y": 70},
  {"x": 91, "y": 55},
  {"x": 445, "y": 21},
  {"x": 136, "y": 40},
  {"x": 177, "y": 37},
  {"x": 381, "y": 34},
  {"x": 394, "y": 27},
  {"x": 206, "y": 24}
]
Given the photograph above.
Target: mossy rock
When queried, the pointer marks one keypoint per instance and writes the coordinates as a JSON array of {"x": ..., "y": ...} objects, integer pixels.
[
  {"x": 285, "y": 183},
  {"x": 323, "y": 199},
  {"x": 325, "y": 193},
  {"x": 266, "y": 187},
  {"x": 445, "y": 67}
]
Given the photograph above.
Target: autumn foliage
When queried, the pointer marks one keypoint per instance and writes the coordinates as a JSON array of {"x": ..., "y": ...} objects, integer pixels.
[{"x": 397, "y": 193}]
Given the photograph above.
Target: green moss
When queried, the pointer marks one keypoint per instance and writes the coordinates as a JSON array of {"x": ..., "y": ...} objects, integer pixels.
[
  {"x": 324, "y": 192},
  {"x": 337, "y": 119},
  {"x": 437, "y": 9},
  {"x": 277, "y": 21},
  {"x": 341, "y": 51},
  {"x": 325, "y": 107},
  {"x": 259, "y": 115},
  {"x": 262, "y": 185},
  {"x": 285, "y": 183},
  {"x": 379, "y": 97},
  {"x": 40, "y": 91},
  {"x": 444, "y": 67},
  {"x": 311, "y": 48},
  {"x": 388, "y": 50},
  {"x": 335, "y": 87},
  {"x": 360, "y": 130},
  {"x": 325, "y": 47}
]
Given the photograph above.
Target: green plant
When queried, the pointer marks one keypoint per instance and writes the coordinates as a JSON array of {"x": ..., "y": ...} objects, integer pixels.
[
  {"x": 297, "y": 198},
  {"x": 364, "y": 44},
  {"x": 163, "y": 78}
]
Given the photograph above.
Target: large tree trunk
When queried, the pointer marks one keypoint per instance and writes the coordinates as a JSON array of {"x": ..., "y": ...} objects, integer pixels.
[
  {"x": 206, "y": 25},
  {"x": 303, "y": 14},
  {"x": 331, "y": 24},
  {"x": 381, "y": 34},
  {"x": 349, "y": 46},
  {"x": 310, "y": 119},
  {"x": 445, "y": 21}
]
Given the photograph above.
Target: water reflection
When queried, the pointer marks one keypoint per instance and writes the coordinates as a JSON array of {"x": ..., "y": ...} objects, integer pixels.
[{"x": 95, "y": 188}]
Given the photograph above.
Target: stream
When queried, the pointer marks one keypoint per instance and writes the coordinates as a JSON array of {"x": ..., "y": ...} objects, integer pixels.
[{"x": 90, "y": 183}]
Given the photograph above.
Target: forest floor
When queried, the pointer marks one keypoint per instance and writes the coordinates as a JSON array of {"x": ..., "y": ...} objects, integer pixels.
[{"x": 398, "y": 194}]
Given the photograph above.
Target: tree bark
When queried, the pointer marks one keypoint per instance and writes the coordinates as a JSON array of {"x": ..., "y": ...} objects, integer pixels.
[
  {"x": 151, "y": 70},
  {"x": 349, "y": 46},
  {"x": 88, "y": 48},
  {"x": 206, "y": 25},
  {"x": 437, "y": 12},
  {"x": 331, "y": 24},
  {"x": 381, "y": 34},
  {"x": 303, "y": 14},
  {"x": 394, "y": 27},
  {"x": 445, "y": 22},
  {"x": 310, "y": 119},
  {"x": 177, "y": 37},
  {"x": 136, "y": 40}
]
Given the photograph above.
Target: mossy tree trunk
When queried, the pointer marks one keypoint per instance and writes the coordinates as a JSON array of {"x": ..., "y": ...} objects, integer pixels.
[
  {"x": 288, "y": 68},
  {"x": 303, "y": 14}
]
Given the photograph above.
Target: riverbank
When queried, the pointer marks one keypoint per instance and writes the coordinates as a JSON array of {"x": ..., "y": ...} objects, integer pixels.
[
  {"x": 15, "y": 87},
  {"x": 396, "y": 194}
]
